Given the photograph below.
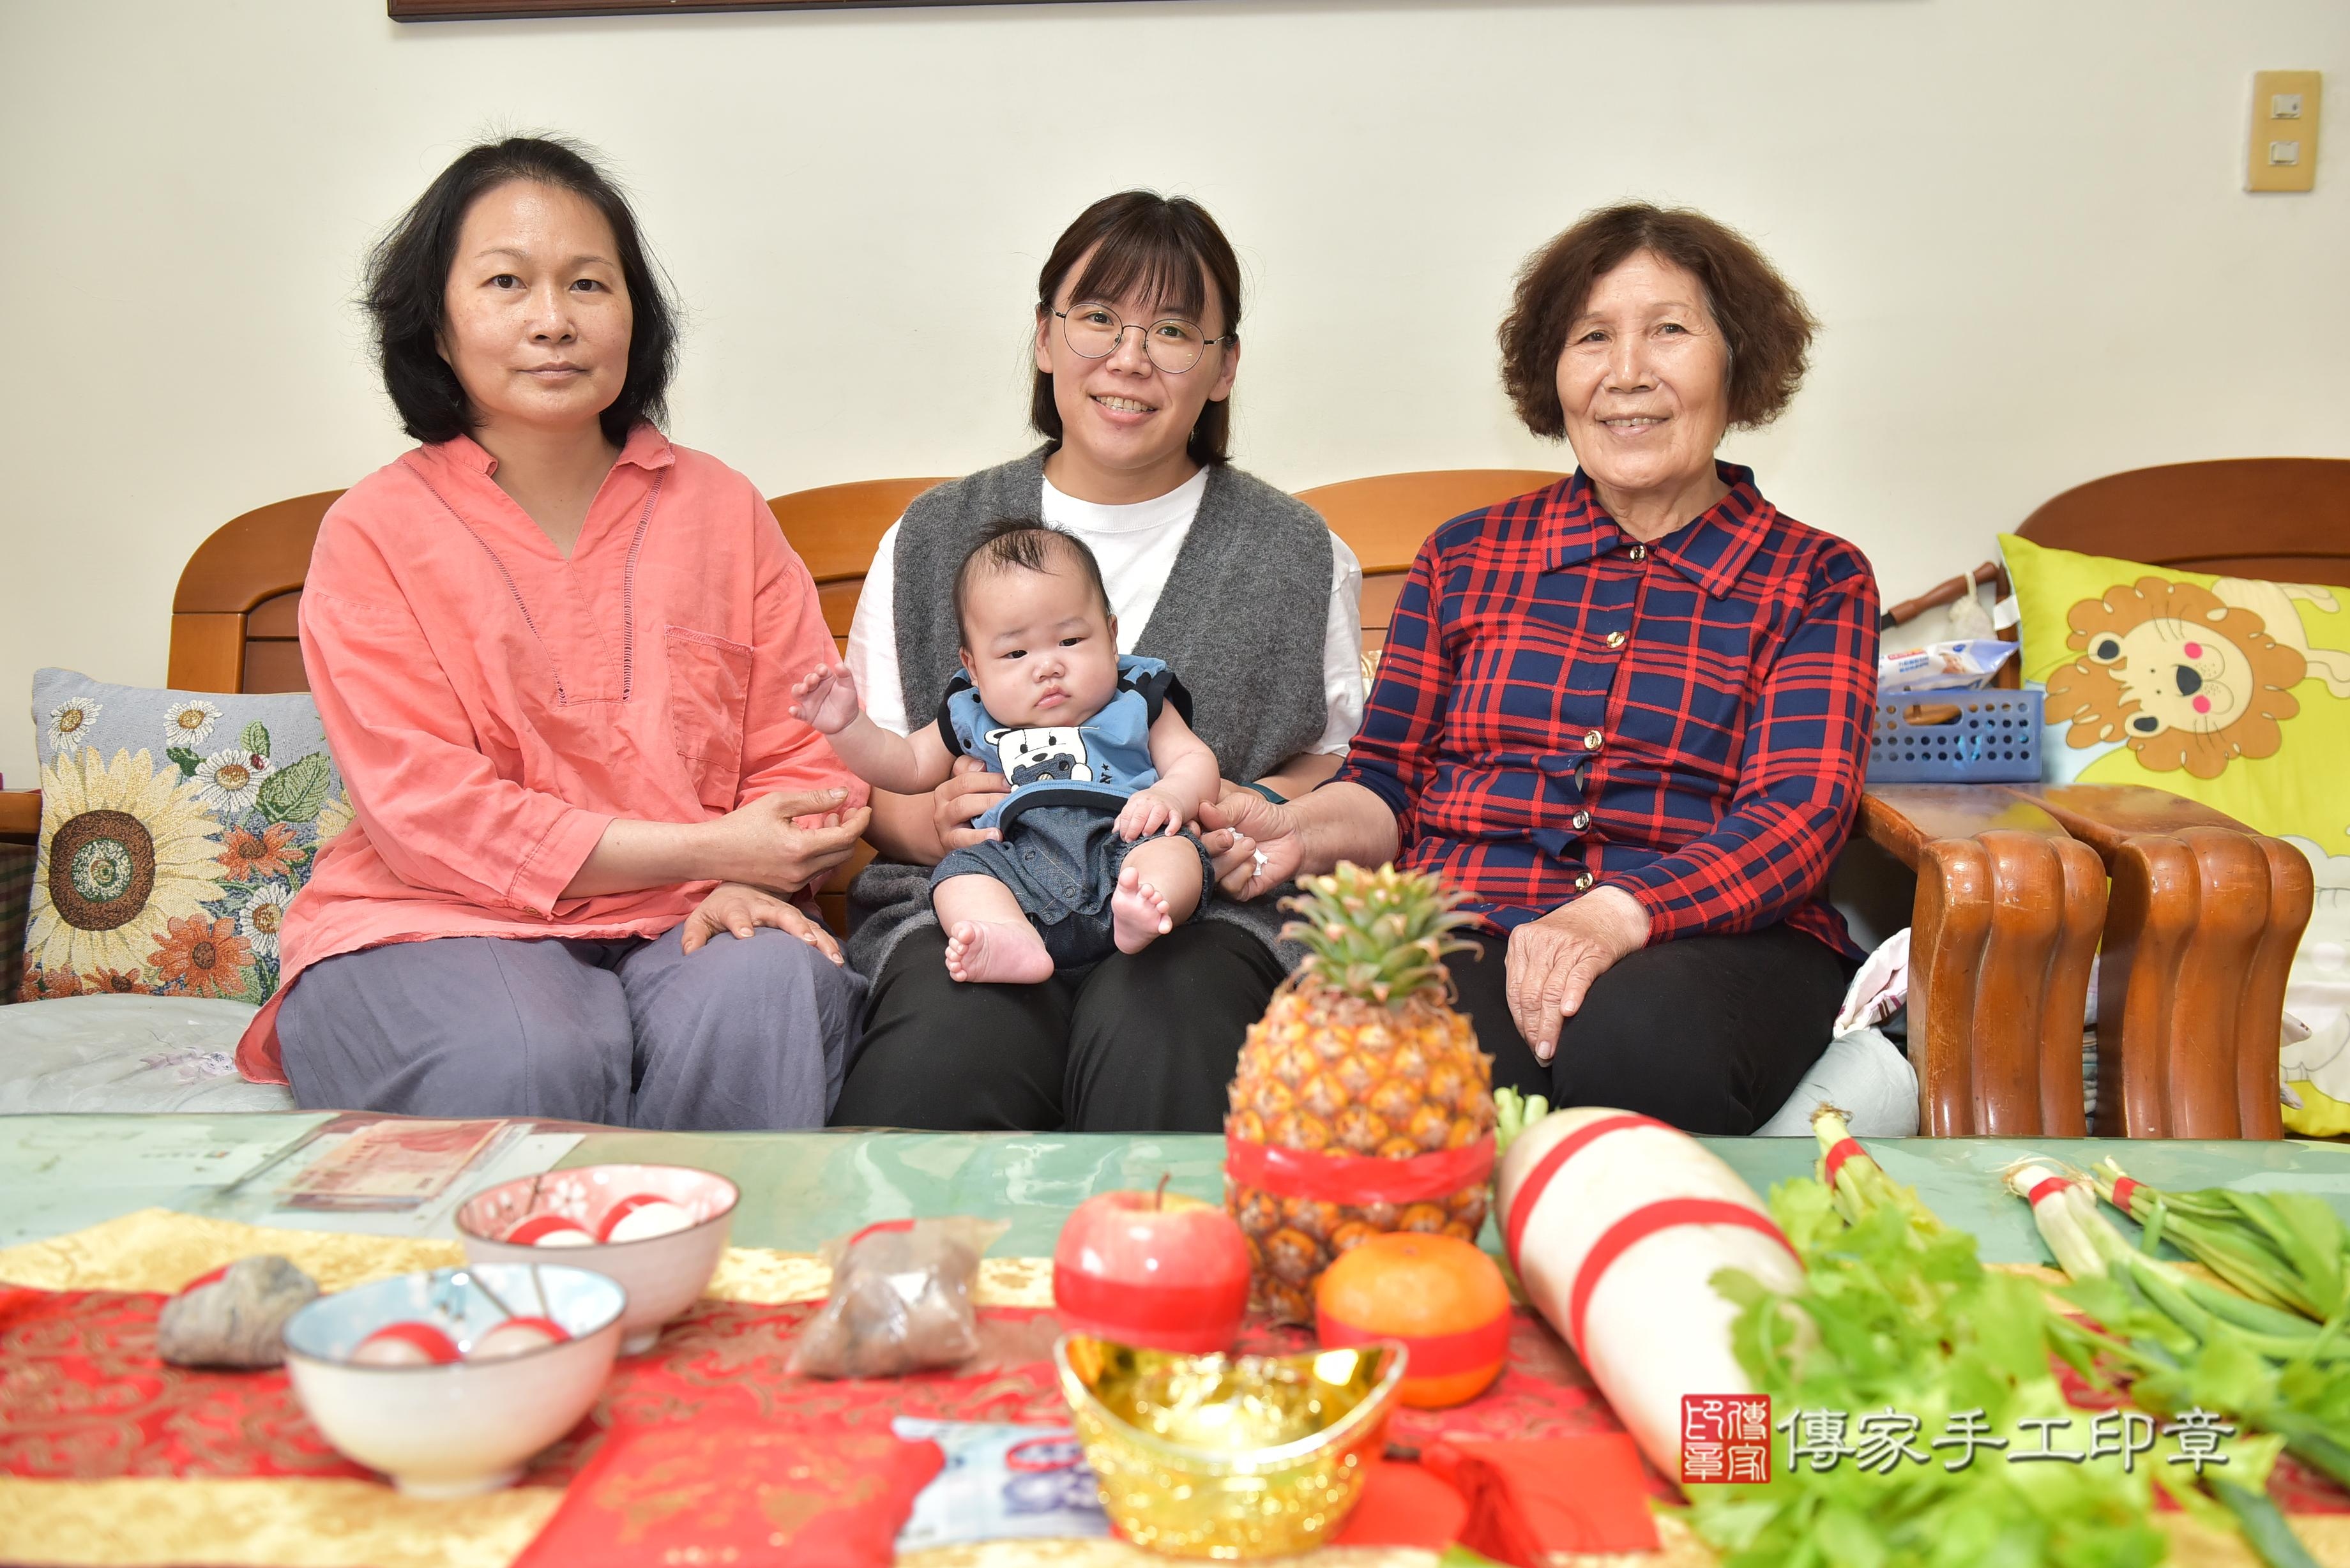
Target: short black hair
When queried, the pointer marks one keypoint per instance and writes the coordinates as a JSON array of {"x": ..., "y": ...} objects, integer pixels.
[
  {"x": 1031, "y": 546},
  {"x": 408, "y": 288},
  {"x": 1170, "y": 249}
]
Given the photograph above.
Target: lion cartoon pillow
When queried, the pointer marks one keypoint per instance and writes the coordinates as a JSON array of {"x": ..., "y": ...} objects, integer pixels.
[{"x": 2234, "y": 692}]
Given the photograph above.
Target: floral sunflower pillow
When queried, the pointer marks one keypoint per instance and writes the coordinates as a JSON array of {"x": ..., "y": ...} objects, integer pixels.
[{"x": 176, "y": 826}]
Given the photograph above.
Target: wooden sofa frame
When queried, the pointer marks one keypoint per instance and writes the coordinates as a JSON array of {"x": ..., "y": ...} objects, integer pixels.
[{"x": 2017, "y": 888}]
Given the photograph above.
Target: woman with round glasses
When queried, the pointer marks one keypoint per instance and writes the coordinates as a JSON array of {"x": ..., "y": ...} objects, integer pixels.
[{"x": 1238, "y": 587}]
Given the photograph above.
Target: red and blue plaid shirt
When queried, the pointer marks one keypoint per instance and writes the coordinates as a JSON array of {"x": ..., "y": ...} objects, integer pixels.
[{"x": 1560, "y": 707}]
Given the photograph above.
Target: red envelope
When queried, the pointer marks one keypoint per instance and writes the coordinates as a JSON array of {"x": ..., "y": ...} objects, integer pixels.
[
  {"x": 737, "y": 1492},
  {"x": 1535, "y": 1496},
  {"x": 1404, "y": 1505}
]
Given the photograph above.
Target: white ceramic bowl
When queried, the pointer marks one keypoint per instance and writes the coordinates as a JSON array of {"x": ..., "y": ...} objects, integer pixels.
[
  {"x": 662, "y": 1274},
  {"x": 463, "y": 1427}
]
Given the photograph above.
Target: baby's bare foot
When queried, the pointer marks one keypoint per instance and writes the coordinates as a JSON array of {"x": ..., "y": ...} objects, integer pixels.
[
  {"x": 981, "y": 951},
  {"x": 1137, "y": 912}
]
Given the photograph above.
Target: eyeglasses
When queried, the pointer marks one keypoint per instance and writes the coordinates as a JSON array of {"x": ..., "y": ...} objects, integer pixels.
[{"x": 1174, "y": 345}]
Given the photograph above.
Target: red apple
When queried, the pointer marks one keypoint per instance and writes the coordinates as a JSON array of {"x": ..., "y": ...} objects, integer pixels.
[{"x": 1152, "y": 1268}]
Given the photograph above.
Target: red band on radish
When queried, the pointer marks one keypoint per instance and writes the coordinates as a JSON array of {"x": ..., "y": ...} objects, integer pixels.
[
  {"x": 2048, "y": 1188},
  {"x": 201, "y": 1280},
  {"x": 2123, "y": 1188},
  {"x": 1357, "y": 1179},
  {"x": 1644, "y": 1222},
  {"x": 1529, "y": 1191},
  {"x": 1432, "y": 1355},
  {"x": 1843, "y": 1149},
  {"x": 1154, "y": 1309}
]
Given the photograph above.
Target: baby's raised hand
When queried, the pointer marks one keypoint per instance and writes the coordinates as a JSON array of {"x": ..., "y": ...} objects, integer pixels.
[
  {"x": 826, "y": 697},
  {"x": 1148, "y": 812}
]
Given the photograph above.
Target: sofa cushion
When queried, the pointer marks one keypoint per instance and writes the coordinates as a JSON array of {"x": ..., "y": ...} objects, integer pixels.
[
  {"x": 129, "y": 1054},
  {"x": 175, "y": 828},
  {"x": 2233, "y": 691}
]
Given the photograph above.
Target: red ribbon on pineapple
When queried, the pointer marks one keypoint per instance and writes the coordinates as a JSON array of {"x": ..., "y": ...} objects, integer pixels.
[{"x": 1357, "y": 1179}]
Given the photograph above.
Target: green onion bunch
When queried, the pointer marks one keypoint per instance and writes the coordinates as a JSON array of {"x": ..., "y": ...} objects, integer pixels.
[
  {"x": 2190, "y": 1344},
  {"x": 2285, "y": 1250}
]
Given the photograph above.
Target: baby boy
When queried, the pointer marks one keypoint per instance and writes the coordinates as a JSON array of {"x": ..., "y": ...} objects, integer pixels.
[{"x": 1089, "y": 853}]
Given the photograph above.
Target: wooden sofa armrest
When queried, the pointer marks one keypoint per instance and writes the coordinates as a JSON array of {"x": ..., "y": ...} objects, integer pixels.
[
  {"x": 2201, "y": 930},
  {"x": 2003, "y": 932},
  {"x": 20, "y": 815}
]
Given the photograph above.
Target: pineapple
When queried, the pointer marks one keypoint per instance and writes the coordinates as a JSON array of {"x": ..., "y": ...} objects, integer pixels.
[{"x": 1359, "y": 1054}]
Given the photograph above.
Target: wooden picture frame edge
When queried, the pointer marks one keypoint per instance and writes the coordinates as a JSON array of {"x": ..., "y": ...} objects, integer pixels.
[{"x": 510, "y": 10}]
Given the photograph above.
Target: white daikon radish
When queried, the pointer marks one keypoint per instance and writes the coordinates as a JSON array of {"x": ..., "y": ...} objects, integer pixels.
[{"x": 1617, "y": 1224}]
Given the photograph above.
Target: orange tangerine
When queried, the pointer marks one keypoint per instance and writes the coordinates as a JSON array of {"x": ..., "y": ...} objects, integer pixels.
[{"x": 1439, "y": 1294}]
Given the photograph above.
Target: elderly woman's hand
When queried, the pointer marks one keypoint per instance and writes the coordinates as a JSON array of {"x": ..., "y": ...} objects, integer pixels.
[
  {"x": 967, "y": 795},
  {"x": 1554, "y": 960},
  {"x": 1241, "y": 827}
]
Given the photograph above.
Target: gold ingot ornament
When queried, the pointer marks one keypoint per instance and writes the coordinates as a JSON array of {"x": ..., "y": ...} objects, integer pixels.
[{"x": 1228, "y": 1457}]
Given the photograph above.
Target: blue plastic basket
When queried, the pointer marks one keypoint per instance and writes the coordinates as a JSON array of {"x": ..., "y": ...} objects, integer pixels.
[{"x": 1995, "y": 739}]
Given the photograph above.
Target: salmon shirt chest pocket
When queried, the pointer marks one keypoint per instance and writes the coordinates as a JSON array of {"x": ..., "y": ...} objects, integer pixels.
[{"x": 1095, "y": 763}]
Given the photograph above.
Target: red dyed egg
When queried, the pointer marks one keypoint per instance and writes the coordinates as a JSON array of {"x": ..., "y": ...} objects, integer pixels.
[
  {"x": 641, "y": 1215},
  {"x": 407, "y": 1344},
  {"x": 514, "y": 1337},
  {"x": 549, "y": 1230}
]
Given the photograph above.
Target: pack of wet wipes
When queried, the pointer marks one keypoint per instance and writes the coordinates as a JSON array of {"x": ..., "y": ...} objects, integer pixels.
[{"x": 1000, "y": 1481}]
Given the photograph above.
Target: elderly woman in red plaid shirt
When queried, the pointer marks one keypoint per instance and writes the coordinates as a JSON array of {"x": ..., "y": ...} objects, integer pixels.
[{"x": 1628, "y": 715}]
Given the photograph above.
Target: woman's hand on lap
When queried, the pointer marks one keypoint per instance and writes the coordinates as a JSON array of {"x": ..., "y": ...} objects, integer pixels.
[
  {"x": 972, "y": 793},
  {"x": 1554, "y": 960},
  {"x": 737, "y": 910}
]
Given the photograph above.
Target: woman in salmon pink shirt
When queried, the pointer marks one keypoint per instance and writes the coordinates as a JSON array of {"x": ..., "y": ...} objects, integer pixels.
[{"x": 552, "y": 652}]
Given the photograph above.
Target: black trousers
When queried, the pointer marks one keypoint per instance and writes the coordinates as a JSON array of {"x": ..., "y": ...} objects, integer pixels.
[
  {"x": 1141, "y": 1042},
  {"x": 1710, "y": 1033}
]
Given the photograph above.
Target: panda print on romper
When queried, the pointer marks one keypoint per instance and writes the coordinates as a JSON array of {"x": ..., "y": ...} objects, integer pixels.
[
  {"x": 1097, "y": 762},
  {"x": 1031, "y": 755}
]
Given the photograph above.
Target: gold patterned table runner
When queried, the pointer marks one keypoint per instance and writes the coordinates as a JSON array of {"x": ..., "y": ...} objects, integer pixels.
[{"x": 139, "y": 1521}]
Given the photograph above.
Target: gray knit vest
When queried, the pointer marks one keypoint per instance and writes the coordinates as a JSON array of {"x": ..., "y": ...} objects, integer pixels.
[{"x": 1242, "y": 622}]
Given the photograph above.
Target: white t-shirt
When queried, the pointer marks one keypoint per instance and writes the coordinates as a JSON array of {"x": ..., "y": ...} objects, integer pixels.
[{"x": 1137, "y": 547}]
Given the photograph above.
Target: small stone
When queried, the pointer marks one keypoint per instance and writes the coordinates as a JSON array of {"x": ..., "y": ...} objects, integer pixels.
[{"x": 235, "y": 1317}]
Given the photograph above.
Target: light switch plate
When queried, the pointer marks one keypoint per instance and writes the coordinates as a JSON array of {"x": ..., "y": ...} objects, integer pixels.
[{"x": 2282, "y": 153}]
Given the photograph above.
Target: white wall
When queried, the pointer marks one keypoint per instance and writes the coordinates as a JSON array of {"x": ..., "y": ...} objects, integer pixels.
[{"x": 2021, "y": 223}]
